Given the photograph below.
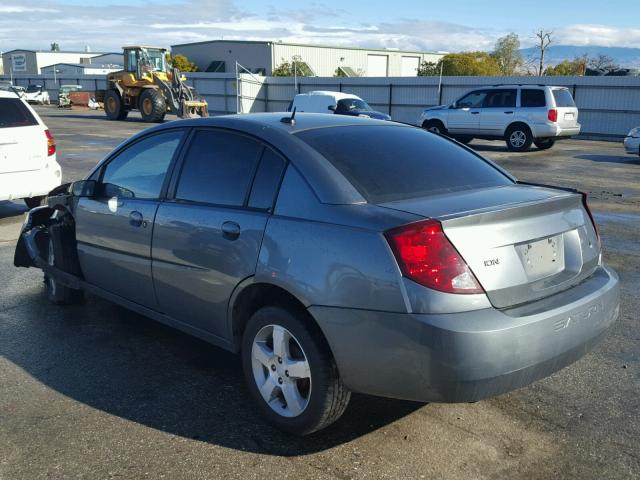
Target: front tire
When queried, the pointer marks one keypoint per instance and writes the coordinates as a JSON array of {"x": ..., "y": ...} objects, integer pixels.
[
  {"x": 464, "y": 140},
  {"x": 435, "y": 126},
  {"x": 290, "y": 371},
  {"x": 113, "y": 106},
  {"x": 519, "y": 138},
  {"x": 545, "y": 143},
  {"x": 152, "y": 105},
  {"x": 60, "y": 254}
]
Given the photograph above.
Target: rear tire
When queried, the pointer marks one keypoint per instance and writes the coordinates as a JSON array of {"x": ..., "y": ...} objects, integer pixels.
[
  {"x": 61, "y": 254},
  {"x": 33, "y": 202},
  {"x": 435, "y": 126},
  {"x": 545, "y": 143},
  {"x": 318, "y": 396},
  {"x": 519, "y": 138},
  {"x": 113, "y": 106},
  {"x": 152, "y": 105}
]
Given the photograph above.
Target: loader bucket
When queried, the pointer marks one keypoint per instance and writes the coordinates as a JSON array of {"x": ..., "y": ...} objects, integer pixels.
[{"x": 193, "y": 109}]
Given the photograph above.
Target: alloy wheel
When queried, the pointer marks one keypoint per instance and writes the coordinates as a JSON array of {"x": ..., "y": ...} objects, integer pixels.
[{"x": 518, "y": 138}]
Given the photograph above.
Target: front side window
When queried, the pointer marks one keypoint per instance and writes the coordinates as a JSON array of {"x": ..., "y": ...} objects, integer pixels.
[
  {"x": 218, "y": 168},
  {"x": 500, "y": 99},
  {"x": 472, "y": 100},
  {"x": 14, "y": 113},
  {"x": 139, "y": 170}
]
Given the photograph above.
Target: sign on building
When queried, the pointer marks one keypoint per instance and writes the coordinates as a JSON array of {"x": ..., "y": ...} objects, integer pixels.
[{"x": 18, "y": 62}]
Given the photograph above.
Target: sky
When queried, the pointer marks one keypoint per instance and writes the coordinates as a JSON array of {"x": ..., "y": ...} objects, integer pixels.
[{"x": 427, "y": 25}]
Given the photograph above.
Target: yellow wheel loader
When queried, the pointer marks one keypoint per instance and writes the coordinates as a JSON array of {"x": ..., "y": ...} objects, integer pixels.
[{"x": 148, "y": 84}]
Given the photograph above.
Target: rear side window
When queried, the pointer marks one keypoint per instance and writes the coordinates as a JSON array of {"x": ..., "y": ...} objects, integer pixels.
[
  {"x": 532, "y": 98},
  {"x": 14, "y": 113},
  {"x": 563, "y": 98},
  {"x": 218, "y": 168},
  {"x": 267, "y": 180},
  {"x": 388, "y": 163},
  {"x": 500, "y": 99}
]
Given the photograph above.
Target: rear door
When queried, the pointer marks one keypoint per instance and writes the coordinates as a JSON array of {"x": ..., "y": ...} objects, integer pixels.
[
  {"x": 497, "y": 112},
  {"x": 207, "y": 236},
  {"x": 23, "y": 144},
  {"x": 114, "y": 228},
  {"x": 567, "y": 110},
  {"x": 465, "y": 116}
]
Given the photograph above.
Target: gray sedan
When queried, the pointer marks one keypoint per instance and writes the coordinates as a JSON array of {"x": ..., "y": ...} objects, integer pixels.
[{"x": 336, "y": 254}]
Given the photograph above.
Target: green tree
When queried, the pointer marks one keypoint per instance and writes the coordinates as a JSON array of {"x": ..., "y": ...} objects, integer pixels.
[
  {"x": 55, "y": 47},
  {"x": 470, "y": 64},
  {"x": 296, "y": 67},
  {"x": 577, "y": 66},
  {"x": 507, "y": 54},
  {"x": 429, "y": 69},
  {"x": 183, "y": 64}
]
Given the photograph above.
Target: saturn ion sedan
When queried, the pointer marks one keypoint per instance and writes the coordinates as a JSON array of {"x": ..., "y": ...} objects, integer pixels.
[{"x": 335, "y": 254}]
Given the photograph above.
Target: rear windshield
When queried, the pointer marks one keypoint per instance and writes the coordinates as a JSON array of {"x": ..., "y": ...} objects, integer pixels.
[
  {"x": 563, "y": 98},
  {"x": 14, "y": 113},
  {"x": 388, "y": 163}
]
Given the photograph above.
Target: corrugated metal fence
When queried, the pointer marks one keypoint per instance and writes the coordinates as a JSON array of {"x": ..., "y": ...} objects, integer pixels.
[{"x": 609, "y": 106}]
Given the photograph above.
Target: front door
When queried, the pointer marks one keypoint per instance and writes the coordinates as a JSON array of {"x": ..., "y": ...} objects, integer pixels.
[
  {"x": 114, "y": 228},
  {"x": 464, "y": 117},
  {"x": 207, "y": 238}
]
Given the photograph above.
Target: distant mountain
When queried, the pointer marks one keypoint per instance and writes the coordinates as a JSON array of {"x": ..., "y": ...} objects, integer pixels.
[{"x": 625, "y": 57}]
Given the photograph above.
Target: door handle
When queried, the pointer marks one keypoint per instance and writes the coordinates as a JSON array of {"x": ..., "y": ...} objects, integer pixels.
[
  {"x": 135, "y": 219},
  {"x": 475, "y": 113},
  {"x": 508, "y": 113},
  {"x": 230, "y": 230}
]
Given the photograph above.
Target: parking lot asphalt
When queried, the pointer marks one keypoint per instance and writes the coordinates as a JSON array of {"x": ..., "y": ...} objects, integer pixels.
[{"x": 95, "y": 391}]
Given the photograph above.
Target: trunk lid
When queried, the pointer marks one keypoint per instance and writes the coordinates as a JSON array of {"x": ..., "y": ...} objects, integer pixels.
[
  {"x": 567, "y": 110},
  {"x": 522, "y": 243}
]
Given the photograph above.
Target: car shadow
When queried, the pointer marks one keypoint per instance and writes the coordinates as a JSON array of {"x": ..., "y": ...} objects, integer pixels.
[
  {"x": 11, "y": 209},
  {"x": 610, "y": 158},
  {"x": 127, "y": 365}
]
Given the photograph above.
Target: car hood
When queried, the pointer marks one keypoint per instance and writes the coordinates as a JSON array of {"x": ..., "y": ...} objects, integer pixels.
[{"x": 437, "y": 107}]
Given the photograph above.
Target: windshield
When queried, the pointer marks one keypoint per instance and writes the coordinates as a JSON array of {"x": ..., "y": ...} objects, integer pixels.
[
  {"x": 349, "y": 104},
  {"x": 388, "y": 163},
  {"x": 154, "y": 59},
  {"x": 34, "y": 88}
]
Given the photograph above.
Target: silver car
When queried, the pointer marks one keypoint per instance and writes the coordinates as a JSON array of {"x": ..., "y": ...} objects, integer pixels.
[
  {"x": 518, "y": 114},
  {"x": 632, "y": 142},
  {"x": 335, "y": 254}
]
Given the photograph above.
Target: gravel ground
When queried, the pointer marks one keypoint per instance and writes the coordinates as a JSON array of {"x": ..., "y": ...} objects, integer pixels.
[{"x": 94, "y": 391}]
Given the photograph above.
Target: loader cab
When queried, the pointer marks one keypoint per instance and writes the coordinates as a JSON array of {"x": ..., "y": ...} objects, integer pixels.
[{"x": 141, "y": 60}]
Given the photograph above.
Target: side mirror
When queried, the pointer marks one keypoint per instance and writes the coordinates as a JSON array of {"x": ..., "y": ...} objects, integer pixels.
[
  {"x": 84, "y": 188},
  {"x": 453, "y": 105},
  {"x": 332, "y": 108}
]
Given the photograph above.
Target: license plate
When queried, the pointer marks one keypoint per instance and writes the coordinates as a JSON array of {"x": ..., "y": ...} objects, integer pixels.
[
  {"x": 542, "y": 258},
  {"x": 568, "y": 116}
]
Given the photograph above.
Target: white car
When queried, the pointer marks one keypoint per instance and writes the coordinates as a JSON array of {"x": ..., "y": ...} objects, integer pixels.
[
  {"x": 37, "y": 94},
  {"x": 632, "y": 141},
  {"x": 518, "y": 114},
  {"x": 339, "y": 103},
  {"x": 28, "y": 166}
]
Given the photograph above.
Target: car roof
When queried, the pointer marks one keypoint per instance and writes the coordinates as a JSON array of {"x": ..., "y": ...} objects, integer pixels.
[{"x": 337, "y": 95}]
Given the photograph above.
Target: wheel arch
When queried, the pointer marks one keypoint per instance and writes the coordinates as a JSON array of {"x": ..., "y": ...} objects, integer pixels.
[{"x": 516, "y": 123}]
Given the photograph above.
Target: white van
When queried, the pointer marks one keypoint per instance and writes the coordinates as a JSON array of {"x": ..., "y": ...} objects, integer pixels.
[
  {"x": 28, "y": 166},
  {"x": 334, "y": 102}
]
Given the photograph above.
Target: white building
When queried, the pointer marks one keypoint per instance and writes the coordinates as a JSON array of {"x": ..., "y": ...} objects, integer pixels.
[
  {"x": 32, "y": 62},
  {"x": 319, "y": 60},
  {"x": 80, "y": 69}
]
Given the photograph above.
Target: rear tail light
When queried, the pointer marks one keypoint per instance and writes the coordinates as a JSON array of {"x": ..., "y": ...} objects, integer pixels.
[
  {"x": 552, "y": 115},
  {"x": 426, "y": 256},
  {"x": 51, "y": 143}
]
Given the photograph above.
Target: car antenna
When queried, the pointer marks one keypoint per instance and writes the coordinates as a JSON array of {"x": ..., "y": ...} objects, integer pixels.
[{"x": 290, "y": 120}]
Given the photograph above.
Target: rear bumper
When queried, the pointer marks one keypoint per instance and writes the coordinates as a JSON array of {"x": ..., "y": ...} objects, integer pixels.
[
  {"x": 33, "y": 183},
  {"x": 553, "y": 130},
  {"x": 632, "y": 145},
  {"x": 472, "y": 355}
]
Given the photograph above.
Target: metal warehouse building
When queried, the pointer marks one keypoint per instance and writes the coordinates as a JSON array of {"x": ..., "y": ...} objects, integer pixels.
[
  {"x": 318, "y": 60},
  {"x": 31, "y": 62}
]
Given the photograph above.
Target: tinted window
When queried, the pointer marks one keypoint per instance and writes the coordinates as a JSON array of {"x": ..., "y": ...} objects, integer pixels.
[
  {"x": 349, "y": 104},
  {"x": 14, "y": 113},
  {"x": 500, "y": 99},
  {"x": 218, "y": 168},
  {"x": 141, "y": 168},
  {"x": 563, "y": 98},
  {"x": 387, "y": 163},
  {"x": 532, "y": 98},
  {"x": 472, "y": 100},
  {"x": 267, "y": 180}
]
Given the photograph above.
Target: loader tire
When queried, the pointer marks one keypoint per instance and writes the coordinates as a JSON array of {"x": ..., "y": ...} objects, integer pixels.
[
  {"x": 113, "y": 106},
  {"x": 152, "y": 105}
]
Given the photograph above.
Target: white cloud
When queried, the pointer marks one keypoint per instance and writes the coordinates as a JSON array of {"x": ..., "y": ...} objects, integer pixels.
[
  {"x": 600, "y": 35},
  {"x": 20, "y": 9}
]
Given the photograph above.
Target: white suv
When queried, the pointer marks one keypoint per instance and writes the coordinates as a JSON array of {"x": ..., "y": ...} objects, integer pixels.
[
  {"x": 519, "y": 114},
  {"x": 28, "y": 167}
]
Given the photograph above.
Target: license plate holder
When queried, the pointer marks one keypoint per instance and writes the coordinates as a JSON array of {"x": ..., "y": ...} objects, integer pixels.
[
  {"x": 542, "y": 258},
  {"x": 569, "y": 116}
]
